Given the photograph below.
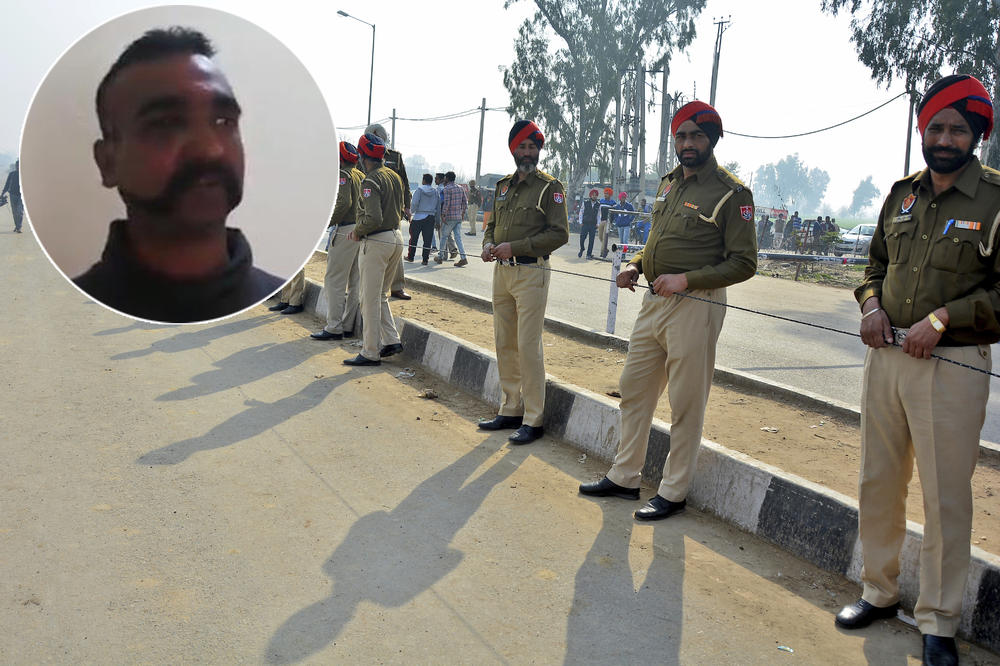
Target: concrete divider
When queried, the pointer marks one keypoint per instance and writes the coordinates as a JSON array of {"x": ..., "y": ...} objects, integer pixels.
[{"x": 802, "y": 517}]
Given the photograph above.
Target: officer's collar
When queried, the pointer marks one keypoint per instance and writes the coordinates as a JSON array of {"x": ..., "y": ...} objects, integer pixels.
[{"x": 967, "y": 182}]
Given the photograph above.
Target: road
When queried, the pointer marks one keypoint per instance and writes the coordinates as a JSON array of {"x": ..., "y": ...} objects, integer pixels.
[
  {"x": 827, "y": 363},
  {"x": 232, "y": 493}
]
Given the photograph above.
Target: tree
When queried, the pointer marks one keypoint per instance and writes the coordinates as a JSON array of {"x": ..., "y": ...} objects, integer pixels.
[
  {"x": 914, "y": 40},
  {"x": 734, "y": 168},
  {"x": 567, "y": 88},
  {"x": 416, "y": 167},
  {"x": 863, "y": 196},
  {"x": 790, "y": 184}
]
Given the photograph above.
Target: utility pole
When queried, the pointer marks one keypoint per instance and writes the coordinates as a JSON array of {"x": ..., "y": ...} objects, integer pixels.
[
  {"x": 616, "y": 159},
  {"x": 721, "y": 26},
  {"x": 641, "y": 101},
  {"x": 665, "y": 116},
  {"x": 392, "y": 139},
  {"x": 479, "y": 155},
  {"x": 909, "y": 127}
]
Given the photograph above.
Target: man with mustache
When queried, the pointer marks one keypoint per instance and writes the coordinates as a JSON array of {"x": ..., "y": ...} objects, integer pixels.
[
  {"x": 529, "y": 223},
  {"x": 932, "y": 287},
  {"x": 170, "y": 143},
  {"x": 702, "y": 240}
]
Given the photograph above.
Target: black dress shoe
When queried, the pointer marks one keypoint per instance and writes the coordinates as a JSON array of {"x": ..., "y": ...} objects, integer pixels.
[
  {"x": 401, "y": 295},
  {"x": 579, "y": 254},
  {"x": 293, "y": 309},
  {"x": 279, "y": 307},
  {"x": 608, "y": 488},
  {"x": 390, "y": 350},
  {"x": 861, "y": 614},
  {"x": 326, "y": 335},
  {"x": 361, "y": 360},
  {"x": 659, "y": 508},
  {"x": 940, "y": 651},
  {"x": 526, "y": 434},
  {"x": 348, "y": 334},
  {"x": 500, "y": 422}
]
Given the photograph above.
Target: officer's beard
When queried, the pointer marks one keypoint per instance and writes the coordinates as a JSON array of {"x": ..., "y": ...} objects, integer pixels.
[
  {"x": 526, "y": 164},
  {"x": 947, "y": 160},
  {"x": 692, "y": 158}
]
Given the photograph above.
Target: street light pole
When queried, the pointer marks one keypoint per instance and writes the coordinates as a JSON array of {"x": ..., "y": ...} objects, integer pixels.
[{"x": 371, "y": 75}]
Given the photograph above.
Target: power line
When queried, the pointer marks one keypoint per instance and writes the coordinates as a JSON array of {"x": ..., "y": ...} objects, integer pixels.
[{"x": 850, "y": 120}]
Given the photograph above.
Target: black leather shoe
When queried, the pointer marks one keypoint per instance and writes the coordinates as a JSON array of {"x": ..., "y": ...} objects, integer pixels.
[
  {"x": 940, "y": 651},
  {"x": 401, "y": 295},
  {"x": 390, "y": 350},
  {"x": 526, "y": 434},
  {"x": 861, "y": 614},
  {"x": 361, "y": 360},
  {"x": 279, "y": 307},
  {"x": 659, "y": 508},
  {"x": 500, "y": 422},
  {"x": 293, "y": 309},
  {"x": 326, "y": 335},
  {"x": 608, "y": 488},
  {"x": 348, "y": 334}
]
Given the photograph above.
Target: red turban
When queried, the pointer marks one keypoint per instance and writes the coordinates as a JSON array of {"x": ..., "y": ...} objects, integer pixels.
[
  {"x": 702, "y": 114},
  {"x": 966, "y": 94},
  {"x": 348, "y": 152},
  {"x": 524, "y": 129}
]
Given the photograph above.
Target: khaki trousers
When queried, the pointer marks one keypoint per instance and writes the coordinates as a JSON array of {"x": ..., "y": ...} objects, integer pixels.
[
  {"x": 934, "y": 411},
  {"x": 519, "y": 297},
  {"x": 673, "y": 347},
  {"x": 294, "y": 292},
  {"x": 378, "y": 255},
  {"x": 340, "y": 284},
  {"x": 470, "y": 215}
]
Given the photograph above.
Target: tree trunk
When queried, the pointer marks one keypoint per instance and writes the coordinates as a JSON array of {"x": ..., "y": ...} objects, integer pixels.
[{"x": 991, "y": 149}]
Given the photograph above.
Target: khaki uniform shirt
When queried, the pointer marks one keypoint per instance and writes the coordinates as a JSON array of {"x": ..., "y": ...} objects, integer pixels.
[
  {"x": 530, "y": 215},
  {"x": 702, "y": 226},
  {"x": 394, "y": 160},
  {"x": 381, "y": 202},
  {"x": 345, "y": 211},
  {"x": 928, "y": 251}
]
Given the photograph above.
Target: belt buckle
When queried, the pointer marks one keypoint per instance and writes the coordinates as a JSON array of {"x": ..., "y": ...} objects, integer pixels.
[{"x": 899, "y": 334}]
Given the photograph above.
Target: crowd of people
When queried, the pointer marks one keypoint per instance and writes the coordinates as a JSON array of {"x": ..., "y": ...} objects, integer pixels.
[
  {"x": 797, "y": 235},
  {"x": 597, "y": 216}
]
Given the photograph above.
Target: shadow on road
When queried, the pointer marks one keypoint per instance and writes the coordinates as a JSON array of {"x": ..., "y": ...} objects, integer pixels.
[
  {"x": 624, "y": 616},
  {"x": 257, "y": 418},
  {"x": 187, "y": 339},
  {"x": 391, "y": 557}
]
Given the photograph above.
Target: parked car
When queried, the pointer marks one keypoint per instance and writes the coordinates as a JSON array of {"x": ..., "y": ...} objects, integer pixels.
[{"x": 855, "y": 241}]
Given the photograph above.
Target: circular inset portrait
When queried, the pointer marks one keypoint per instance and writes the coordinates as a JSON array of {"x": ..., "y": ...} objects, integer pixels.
[{"x": 179, "y": 164}]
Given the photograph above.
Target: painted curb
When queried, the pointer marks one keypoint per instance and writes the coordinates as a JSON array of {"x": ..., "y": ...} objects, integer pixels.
[{"x": 802, "y": 517}]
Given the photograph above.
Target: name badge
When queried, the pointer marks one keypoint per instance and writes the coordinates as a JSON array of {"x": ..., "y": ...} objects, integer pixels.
[{"x": 902, "y": 218}]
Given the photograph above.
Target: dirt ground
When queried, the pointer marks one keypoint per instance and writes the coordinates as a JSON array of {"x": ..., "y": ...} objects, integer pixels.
[
  {"x": 809, "y": 444},
  {"x": 825, "y": 272}
]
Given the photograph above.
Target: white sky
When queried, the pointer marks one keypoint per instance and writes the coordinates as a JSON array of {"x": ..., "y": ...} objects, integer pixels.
[{"x": 785, "y": 68}]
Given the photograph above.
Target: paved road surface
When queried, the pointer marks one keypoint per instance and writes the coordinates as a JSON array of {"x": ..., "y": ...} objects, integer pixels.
[
  {"x": 232, "y": 493},
  {"x": 823, "y": 362}
]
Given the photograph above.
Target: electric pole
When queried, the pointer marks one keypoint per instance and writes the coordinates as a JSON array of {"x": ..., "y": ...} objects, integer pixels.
[
  {"x": 479, "y": 154},
  {"x": 721, "y": 26}
]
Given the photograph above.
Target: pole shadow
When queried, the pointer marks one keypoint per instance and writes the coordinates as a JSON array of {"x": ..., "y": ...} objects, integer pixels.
[
  {"x": 610, "y": 622},
  {"x": 187, "y": 339},
  {"x": 391, "y": 557},
  {"x": 257, "y": 418}
]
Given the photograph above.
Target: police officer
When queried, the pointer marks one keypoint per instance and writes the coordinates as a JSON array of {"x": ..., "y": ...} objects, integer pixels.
[
  {"x": 342, "y": 312},
  {"x": 528, "y": 224},
  {"x": 702, "y": 240},
  {"x": 377, "y": 230},
  {"x": 590, "y": 213},
  {"x": 394, "y": 161},
  {"x": 930, "y": 288},
  {"x": 13, "y": 186}
]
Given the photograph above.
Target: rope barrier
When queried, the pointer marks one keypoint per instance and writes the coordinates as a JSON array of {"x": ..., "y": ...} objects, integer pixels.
[{"x": 762, "y": 313}]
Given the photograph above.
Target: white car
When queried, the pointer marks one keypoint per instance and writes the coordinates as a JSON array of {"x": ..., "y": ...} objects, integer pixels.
[{"x": 855, "y": 241}]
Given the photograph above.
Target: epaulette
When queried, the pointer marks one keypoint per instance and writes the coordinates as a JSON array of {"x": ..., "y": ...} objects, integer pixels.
[
  {"x": 505, "y": 178},
  {"x": 991, "y": 175},
  {"x": 908, "y": 180},
  {"x": 548, "y": 178},
  {"x": 730, "y": 179}
]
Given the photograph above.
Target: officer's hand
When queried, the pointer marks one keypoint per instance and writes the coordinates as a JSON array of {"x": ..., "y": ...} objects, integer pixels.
[
  {"x": 669, "y": 284},
  {"x": 488, "y": 252},
  {"x": 407, "y": 215},
  {"x": 876, "y": 330},
  {"x": 502, "y": 251},
  {"x": 628, "y": 278},
  {"x": 922, "y": 338},
  {"x": 352, "y": 236}
]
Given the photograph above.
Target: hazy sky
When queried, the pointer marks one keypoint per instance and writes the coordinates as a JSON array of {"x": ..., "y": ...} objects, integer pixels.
[{"x": 785, "y": 68}]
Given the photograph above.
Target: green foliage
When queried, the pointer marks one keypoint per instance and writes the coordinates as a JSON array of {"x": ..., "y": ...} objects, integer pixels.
[
  {"x": 734, "y": 168},
  {"x": 865, "y": 193},
  {"x": 567, "y": 84},
  {"x": 790, "y": 184},
  {"x": 918, "y": 40}
]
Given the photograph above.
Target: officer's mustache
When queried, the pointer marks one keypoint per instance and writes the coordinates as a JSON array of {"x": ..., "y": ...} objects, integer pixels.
[{"x": 186, "y": 177}]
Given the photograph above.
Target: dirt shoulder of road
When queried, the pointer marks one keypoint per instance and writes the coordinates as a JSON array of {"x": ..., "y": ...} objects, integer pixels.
[
  {"x": 827, "y": 273},
  {"x": 810, "y": 444}
]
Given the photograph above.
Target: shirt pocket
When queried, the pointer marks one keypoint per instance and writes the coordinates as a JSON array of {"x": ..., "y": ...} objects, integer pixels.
[
  {"x": 899, "y": 240},
  {"x": 957, "y": 252}
]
